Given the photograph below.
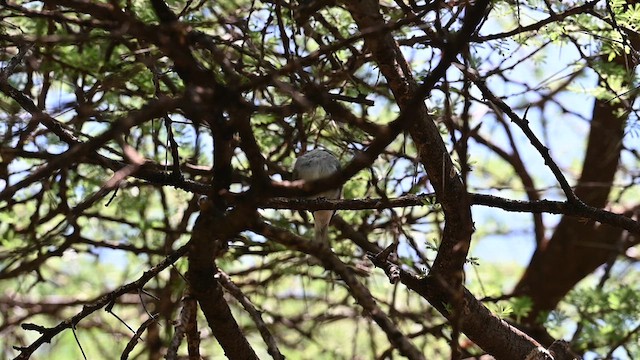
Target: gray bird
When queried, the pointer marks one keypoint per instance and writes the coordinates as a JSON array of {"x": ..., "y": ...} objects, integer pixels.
[{"x": 317, "y": 164}]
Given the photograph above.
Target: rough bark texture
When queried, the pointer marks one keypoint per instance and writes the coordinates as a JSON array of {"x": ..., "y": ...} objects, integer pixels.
[
  {"x": 493, "y": 334},
  {"x": 443, "y": 288},
  {"x": 359, "y": 292},
  {"x": 207, "y": 242},
  {"x": 206, "y": 67},
  {"x": 578, "y": 247}
]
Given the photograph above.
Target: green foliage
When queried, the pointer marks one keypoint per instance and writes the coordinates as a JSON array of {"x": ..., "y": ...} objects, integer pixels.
[
  {"x": 105, "y": 216},
  {"x": 608, "y": 318},
  {"x": 521, "y": 307}
]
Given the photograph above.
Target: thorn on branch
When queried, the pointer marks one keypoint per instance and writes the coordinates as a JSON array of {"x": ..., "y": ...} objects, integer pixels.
[
  {"x": 73, "y": 329},
  {"x": 143, "y": 291},
  {"x": 110, "y": 305},
  {"x": 113, "y": 196},
  {"x": 109, "y": 308}
]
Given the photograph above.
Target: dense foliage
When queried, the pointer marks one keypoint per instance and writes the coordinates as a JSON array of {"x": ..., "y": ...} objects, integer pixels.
[{"x": 490, "y": 170}]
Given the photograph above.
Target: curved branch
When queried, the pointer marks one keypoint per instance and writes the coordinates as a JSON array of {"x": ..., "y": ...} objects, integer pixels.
[{"x": 356, "y": 289}]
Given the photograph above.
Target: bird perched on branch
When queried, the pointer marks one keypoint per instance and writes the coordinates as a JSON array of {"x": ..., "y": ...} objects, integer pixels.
[{"x": 313, "y": 165}]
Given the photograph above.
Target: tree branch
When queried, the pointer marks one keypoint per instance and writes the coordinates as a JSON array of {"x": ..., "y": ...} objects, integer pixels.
[
  {"x": 356, "y": 289},
  {"x": 208, "y": 240},
  {"x": 49, "y": 333}
]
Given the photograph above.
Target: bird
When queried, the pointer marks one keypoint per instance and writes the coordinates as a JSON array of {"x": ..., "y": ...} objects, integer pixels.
[{"x": 317, "y": 164}]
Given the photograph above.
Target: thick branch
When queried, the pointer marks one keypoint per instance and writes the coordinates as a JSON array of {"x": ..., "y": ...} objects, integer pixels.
[
  {"x": 207, "y": 241},
  {"x": 576, "y": 247},
  {"x": 356, "y": 289},
  {"x": 256, "y": 316},
  {"x": 431, "y": 149},
  {"x": 479, "y": 324}
]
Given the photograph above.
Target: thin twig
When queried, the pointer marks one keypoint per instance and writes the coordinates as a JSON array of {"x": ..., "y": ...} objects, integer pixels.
[
  {"x": 75, "y": 336},
  {"x": 50, "y": 333}
]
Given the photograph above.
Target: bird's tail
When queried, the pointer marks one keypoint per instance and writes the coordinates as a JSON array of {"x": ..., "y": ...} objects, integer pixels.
[
  {"x": 321, "y": 220},
  {"x": 321, "y": 233}
]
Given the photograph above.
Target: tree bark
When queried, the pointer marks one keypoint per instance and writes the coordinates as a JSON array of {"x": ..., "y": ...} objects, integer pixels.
[
  {"x": 577, "y": 248},
  {"x": 207, "y": 242}
]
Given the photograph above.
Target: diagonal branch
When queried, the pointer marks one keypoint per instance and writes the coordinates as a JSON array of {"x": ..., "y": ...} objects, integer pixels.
[
  {"x": 233, "y": 289},
  {"x": 523, "y": 124},
  {"x": 49, "y": 333},
  {"x": 356, "y": 289},
  {"x": 450, "y": 190}
]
